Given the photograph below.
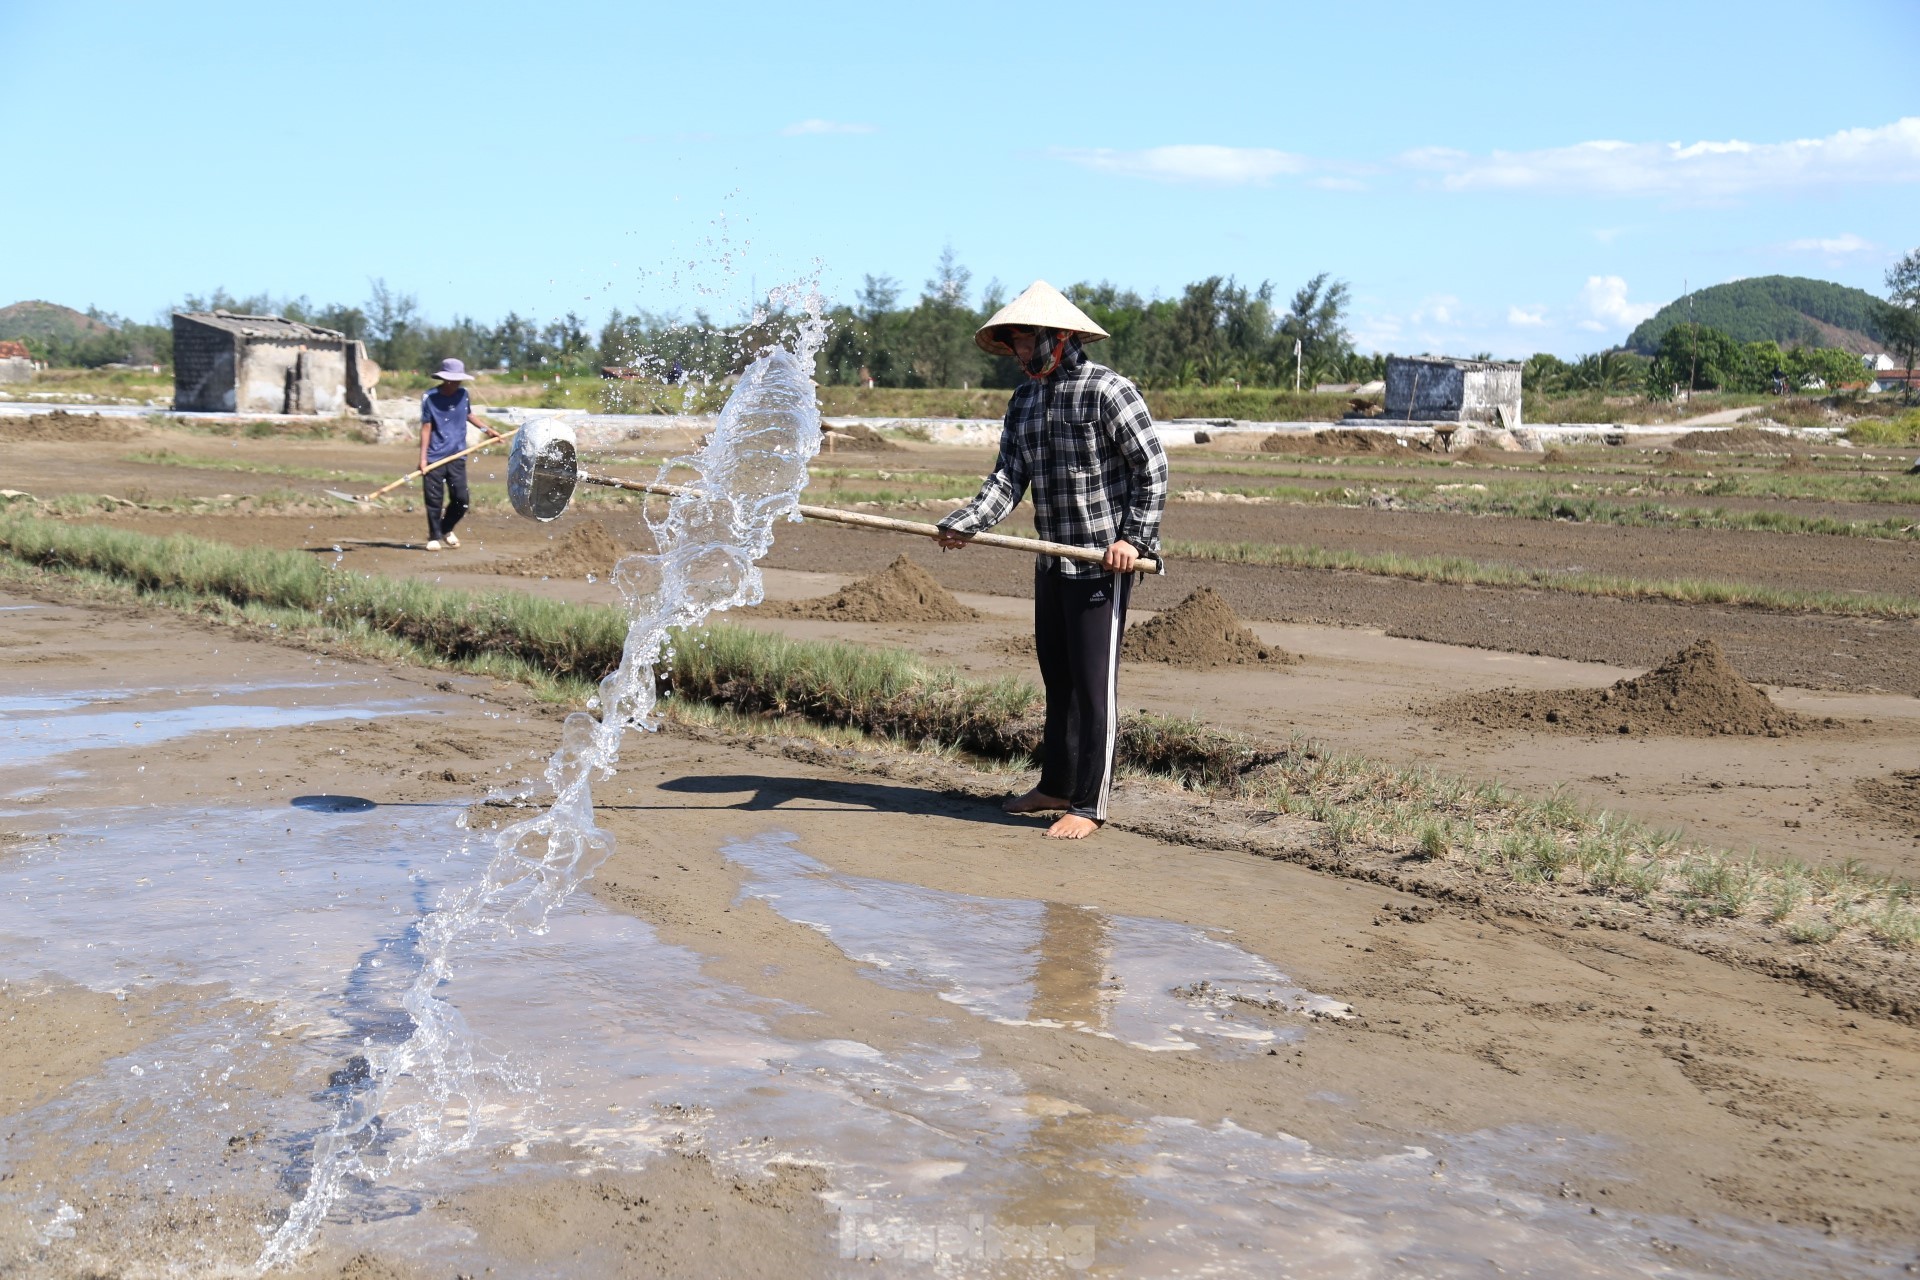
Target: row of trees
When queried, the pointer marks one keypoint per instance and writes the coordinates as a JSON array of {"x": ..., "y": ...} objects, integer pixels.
[
  {"x": 1217, "y": 332},
  {"x": 103, "y": 338},
  {"x": 1700, "y": 358}
]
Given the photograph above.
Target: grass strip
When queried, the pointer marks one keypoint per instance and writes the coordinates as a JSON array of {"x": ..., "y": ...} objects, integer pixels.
[
  {"x": 1459, "y": 570},
  {"x": 1494, "y": 831},
  {"x": 1580, "y": 509},
  {"x": 69, "y": 506},
  {"x": 169, "y": 458},
  {"x": 1904, "y": 430},
  {"x": 561, "y": 649},
  {"x": 886, "y": 693}
]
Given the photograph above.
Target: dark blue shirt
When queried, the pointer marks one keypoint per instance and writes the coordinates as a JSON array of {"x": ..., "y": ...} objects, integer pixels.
[{"x": 448, "y": 414}]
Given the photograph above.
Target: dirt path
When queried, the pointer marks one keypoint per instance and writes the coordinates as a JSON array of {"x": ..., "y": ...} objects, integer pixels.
[
  {"x": 1812, "y": 564},
  {"x": 1714, "y": 1095}
]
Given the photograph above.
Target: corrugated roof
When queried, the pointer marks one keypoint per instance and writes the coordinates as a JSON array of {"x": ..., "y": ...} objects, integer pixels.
[
  {"x": 261, "y": 326},
  {"x": 1458, "y": 363}
]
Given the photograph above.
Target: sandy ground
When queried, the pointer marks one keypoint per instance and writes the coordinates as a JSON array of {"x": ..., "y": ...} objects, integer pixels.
[{"x": 1720, "y": 1095}]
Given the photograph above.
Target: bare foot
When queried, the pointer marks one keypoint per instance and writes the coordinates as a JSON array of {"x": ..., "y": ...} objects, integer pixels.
[
  {"x": 1035, "y": 801},
  {"x": 1072, "y": 827}
]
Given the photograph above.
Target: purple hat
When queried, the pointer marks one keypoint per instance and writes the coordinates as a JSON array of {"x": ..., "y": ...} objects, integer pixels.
[{"x": 452, "y": 370}]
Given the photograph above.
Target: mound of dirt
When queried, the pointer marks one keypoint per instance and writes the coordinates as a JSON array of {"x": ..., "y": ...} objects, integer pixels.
[
  {"x": 1200, "y": 631},
  {"x": 588, "y": 547},
  {"x": 902, "y": 592},
  {"x": 1735, "y": 439},
  {"x": 1337, "y": 442},
  {"x": 857, "y": 438},
  {"x": 1694, "y": 694},
  {"x": 79, "y": 428}
]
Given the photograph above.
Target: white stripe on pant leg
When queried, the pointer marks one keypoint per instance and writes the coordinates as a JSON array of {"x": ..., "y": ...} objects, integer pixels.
[{"x": 1113, "y": 696}]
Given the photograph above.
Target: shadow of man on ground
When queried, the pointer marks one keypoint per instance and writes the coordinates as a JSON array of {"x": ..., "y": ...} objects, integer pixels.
[{"x": 764, "y": 792}]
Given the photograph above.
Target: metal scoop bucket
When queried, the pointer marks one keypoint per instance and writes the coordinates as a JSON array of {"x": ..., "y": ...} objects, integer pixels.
[{"x": 543, "y": 470}]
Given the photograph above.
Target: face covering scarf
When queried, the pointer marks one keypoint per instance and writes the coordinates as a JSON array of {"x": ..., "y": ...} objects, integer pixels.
[{"x": 1051, "y": 350}]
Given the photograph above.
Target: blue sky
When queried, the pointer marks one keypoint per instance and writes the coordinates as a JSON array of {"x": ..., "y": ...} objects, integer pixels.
[{"x": 1504, "y": 177}]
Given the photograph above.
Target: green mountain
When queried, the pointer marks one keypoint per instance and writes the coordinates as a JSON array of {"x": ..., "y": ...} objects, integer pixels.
[
  {"x": 1790, "y": 310},
  {"x": 47, "y": 321}
]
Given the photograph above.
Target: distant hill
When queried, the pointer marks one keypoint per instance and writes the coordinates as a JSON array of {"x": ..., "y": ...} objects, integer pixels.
[
  {"x": 47, "y": 321},
  {"x": 1790, "y": 310}
]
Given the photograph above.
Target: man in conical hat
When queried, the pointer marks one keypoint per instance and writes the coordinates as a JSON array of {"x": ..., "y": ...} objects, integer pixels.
[{"x": 1079, "y": 436}]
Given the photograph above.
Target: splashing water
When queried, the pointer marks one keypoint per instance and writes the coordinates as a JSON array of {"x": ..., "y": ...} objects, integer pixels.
[{"x": 748, "y": 475}]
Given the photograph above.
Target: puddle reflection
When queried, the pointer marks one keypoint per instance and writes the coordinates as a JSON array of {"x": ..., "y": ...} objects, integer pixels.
[
  {"x": 37, "y": 728},
  {"x": 1153, "y": 984}
]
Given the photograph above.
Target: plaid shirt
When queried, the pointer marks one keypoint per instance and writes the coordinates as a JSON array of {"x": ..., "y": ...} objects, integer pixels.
[{"x": 1082, "y": 438}]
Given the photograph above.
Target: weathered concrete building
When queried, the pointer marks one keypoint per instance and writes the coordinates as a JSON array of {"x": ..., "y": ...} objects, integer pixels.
[
  {"x": 16, "y": 362},
  {"x": 1438, "y": 389},
  {"x": 227, "y": 363}
]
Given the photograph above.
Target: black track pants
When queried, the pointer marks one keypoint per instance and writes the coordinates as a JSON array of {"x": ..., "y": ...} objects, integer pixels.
[
  {"x": 446, "y": 485},
  {"x": 1076, "y": 632}
]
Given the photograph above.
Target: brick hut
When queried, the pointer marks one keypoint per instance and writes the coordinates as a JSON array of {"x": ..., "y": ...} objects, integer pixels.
[
  {"x": 1439, "y": 389},
  {"x": 228, "y": 363}
]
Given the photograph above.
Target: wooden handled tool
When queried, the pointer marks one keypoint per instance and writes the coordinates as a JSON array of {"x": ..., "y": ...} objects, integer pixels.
[
  {"x": 886, "y": 524},
  {"x": 385, "y": 489}
]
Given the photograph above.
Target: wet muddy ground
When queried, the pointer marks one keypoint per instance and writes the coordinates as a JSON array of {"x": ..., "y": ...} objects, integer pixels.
[{"x": 804, "y": 1013}]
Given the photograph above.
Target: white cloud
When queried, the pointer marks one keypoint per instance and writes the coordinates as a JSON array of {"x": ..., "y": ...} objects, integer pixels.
[
  {"x": 1607, "y": 235},
  {"x": 1210, "y": 165},
  {"x": 1845, "y": 243},
  {"x": 1526, "y": 317},
  {"x": 1438, "y": 309},
  {"x": 1376, "y": 331},
  {"x": 1700, "y": 170},
  {"x": 1606, "y": 302},
  {"x": 814, "y": 128}
]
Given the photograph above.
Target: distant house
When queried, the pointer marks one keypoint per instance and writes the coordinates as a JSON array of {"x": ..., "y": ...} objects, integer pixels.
[
  {"x": 1895, "y": 380},
  {"x": 1877, "y": 361},
  {"x": 1440, "y": 389},
  {"x": 229, "y": 363},
  {"x": 16, "y": 362}
]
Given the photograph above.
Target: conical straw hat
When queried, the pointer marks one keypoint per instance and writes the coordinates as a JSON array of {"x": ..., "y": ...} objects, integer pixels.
[{"x": 1042, "y": 306}]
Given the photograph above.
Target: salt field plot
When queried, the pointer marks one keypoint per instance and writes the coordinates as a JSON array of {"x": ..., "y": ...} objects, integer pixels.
[{"x": 285, "y": 941}]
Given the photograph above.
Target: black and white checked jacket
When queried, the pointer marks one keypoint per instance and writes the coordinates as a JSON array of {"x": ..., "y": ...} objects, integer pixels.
[{"x": 1083, "y": 440}]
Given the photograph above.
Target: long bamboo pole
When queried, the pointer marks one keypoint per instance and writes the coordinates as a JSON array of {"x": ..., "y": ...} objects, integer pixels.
[
  {"x": 431, "y": 466},
  {"x": 887, "y": 524}
]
